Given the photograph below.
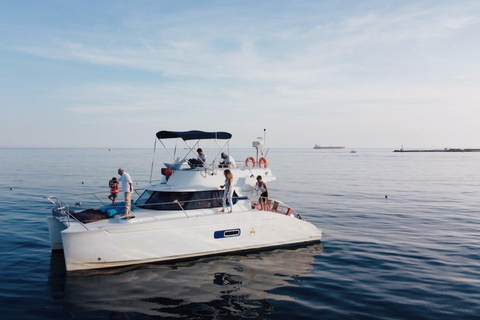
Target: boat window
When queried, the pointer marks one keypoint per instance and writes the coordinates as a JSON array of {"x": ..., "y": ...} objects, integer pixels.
[
  {"x": 160, "y": 200},
  {"x": 144, "y": 198}
]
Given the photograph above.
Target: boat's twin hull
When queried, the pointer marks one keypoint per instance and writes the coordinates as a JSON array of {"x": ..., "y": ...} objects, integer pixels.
[
  {"x": 55, "y": 227},
  {"x": 178, "y": 239}
]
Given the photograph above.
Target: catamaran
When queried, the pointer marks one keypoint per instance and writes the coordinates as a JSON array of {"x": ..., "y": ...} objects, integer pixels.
[{"x": 179, "y": 216}]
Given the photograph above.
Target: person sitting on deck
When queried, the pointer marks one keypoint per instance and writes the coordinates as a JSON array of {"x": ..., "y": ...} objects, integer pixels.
[
  {"x": 228, "y": 161},
  {"x": 202, "y": 157},
  {"x": 200, "y": 161}
]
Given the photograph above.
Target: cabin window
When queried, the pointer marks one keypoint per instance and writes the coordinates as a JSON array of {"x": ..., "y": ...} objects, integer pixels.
[{"x": 160, "y": 200}]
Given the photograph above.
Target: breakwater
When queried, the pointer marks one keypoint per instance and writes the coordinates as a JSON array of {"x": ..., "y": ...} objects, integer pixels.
[{"x": 438, "y": 150}]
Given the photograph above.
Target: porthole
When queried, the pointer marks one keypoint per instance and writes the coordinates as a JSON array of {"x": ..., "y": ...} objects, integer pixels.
[
  {"x": 227, "y": 233},
  {"x": 232, "y": 233}
]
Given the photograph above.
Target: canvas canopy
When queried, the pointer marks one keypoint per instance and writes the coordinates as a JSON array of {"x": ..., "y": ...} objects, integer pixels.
[{"x": 193, "y": 135}]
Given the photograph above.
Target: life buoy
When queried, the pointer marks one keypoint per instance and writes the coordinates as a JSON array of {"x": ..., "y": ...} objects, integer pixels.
[
  {"x": 247, "y": 162},
  {"x": 264, "y": 161}
]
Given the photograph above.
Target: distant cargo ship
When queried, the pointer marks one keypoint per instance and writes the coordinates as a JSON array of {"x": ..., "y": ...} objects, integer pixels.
[{"x": 320, "y": 147}]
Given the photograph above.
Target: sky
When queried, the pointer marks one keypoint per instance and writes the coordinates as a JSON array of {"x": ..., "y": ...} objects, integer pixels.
[{"x": 360, "y": 74}]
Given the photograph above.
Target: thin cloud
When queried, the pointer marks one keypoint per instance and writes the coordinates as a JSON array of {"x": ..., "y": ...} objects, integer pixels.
[
  {"x": 311, "y": 65},
  {"x": 190, "y": 57}
]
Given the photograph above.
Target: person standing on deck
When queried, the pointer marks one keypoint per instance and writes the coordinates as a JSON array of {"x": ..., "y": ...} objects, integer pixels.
[
  {"x": 261, "y": 187},
  {"x": 127, "y": 187},
  {"x": 228, "y": 192},
  {"x": 113, "y": 184}
]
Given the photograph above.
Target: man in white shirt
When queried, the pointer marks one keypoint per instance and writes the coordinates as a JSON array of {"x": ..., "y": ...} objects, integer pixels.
[
  {"x": 202, "y": 157},
  {"x": 127, "y": 187},
  {"x": 228, "y": 161}
]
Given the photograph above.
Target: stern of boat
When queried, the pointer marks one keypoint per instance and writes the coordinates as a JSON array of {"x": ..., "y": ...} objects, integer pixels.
[{"x": 55, "y": 227}]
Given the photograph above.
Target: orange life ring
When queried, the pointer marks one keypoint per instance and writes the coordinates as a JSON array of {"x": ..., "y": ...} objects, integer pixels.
[
  {"x": 247, "y": 161},
  {"x": 264, "y": 161}
]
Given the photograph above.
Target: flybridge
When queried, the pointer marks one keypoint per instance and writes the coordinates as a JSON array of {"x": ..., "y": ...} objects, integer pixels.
[{"x": 188, "y": 136}]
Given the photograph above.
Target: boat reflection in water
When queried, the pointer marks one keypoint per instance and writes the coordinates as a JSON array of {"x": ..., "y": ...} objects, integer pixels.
[{"x": 236, "y": 285}]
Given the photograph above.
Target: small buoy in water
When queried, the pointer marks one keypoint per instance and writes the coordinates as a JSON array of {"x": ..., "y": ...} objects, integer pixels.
[{"x": 78, "y": 203}]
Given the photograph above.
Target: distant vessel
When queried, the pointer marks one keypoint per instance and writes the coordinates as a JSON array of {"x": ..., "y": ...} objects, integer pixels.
[{"x": 320, "y": 147}]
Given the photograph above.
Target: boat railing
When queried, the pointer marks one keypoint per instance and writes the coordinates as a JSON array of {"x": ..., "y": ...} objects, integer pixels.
[
  {"x": 279, "y": 207},
  {"x": 212, "y": 167},
  {"x": 273, "y": 205},
  {"x": 82, "y": 201},
  {"x": 85, "y": 199},
  {"x": 62, "y": 209}
]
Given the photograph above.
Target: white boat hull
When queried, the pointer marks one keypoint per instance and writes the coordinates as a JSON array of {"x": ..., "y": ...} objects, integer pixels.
[{"x": 183, "y": 238}]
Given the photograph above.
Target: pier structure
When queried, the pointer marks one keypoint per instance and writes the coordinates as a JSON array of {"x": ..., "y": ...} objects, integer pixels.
[{"x": 438, "y": 150}]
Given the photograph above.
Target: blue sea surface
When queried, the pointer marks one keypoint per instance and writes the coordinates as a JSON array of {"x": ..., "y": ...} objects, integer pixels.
[{"x": 400, "y": 241}]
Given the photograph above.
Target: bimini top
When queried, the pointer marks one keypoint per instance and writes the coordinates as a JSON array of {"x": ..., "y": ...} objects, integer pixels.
[{"x": 193, "y": 135}]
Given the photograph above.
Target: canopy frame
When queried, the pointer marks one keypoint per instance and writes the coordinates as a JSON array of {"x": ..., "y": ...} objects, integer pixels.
[{"x": 197, "y": 135}]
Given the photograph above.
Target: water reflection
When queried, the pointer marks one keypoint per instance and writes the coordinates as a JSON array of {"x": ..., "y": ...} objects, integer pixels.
[{"x": 219, "y": 287}]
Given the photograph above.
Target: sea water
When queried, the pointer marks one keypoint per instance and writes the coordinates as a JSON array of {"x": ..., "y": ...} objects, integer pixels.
[{"x": 400, "y": 241}]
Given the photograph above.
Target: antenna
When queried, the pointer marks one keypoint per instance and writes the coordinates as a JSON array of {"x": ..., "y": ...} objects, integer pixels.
[
  {"x": 153, "y": 158},
  {"x": 258, "y": 144}
]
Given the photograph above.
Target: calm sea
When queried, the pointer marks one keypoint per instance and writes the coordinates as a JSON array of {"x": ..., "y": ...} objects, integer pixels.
[{"x": 400, "y": 241}]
